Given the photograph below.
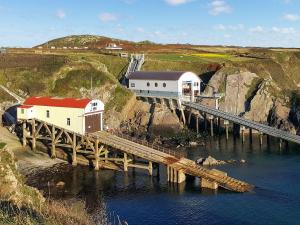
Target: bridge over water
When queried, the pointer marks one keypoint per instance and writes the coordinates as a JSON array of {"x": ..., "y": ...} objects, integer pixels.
[
  {"x": 210, "y": 114},
  {"x": 103, "y": 148}
]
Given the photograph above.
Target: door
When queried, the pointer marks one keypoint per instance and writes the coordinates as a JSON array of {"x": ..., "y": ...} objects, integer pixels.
[{"x": 92, "y": 123}]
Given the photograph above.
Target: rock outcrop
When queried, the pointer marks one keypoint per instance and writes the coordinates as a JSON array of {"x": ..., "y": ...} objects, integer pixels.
[
  {"x": 164, "y": 122},
  {"x": 209, "y": 161},
  {"x": 248, "y": 95},
  {"x": 12, "y": 187}
]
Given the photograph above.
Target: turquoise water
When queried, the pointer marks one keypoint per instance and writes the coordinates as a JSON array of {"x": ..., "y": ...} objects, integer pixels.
[{"x": 140, "y": 199}]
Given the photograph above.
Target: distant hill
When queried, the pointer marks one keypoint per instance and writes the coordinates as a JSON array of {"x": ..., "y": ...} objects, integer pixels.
[
  {"x": 100, "y": 42},
  {"x": 93, "y": 42}
]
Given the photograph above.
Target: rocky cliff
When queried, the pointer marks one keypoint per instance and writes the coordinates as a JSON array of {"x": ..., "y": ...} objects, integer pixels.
[{"x": 249, "y": 95}]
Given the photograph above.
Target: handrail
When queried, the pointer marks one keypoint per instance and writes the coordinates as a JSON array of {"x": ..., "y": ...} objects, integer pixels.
[
  {"x": 246, "y": 122},
  {"x": 150, "y": 145}
]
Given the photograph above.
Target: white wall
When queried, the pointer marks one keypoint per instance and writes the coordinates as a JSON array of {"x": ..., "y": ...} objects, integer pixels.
[
  {"x": 28, "y": 113},
  {"x": 171, "y": 86},
  {"x": 58, "y": 116},
  {"x": 94, "y": 108},
  {"x": 189, "y": 77}
]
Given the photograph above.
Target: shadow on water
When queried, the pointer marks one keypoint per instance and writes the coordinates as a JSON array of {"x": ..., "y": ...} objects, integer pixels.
[{"x": 142, "y": 199}]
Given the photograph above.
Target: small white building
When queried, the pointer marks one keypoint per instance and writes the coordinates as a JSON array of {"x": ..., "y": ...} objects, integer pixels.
[
  {"x": 113, "y": 46},
  {"x": 181, "y": 85},
  {"x": 79, "y": 115}
]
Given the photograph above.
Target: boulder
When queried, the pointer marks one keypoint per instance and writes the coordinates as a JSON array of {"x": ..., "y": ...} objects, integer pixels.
[
  {"x": 193, "y": 143},
  {"x": 209, "y": 161}
]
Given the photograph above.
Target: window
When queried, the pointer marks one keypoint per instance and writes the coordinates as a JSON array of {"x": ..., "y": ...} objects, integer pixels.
[
  {"x": 196, "y": 84},
  {"x": 94, "y": 104},
  {"x": 156, "y": 84},
  {"x": 164, "y": 85},
  {"x": 48, "y": 114},
  {"x": 68, "y": 121},
  {"x": 22, "y": 111},
  {"x": 148, "y": 84},
  {"x": 132, "y": 85}
]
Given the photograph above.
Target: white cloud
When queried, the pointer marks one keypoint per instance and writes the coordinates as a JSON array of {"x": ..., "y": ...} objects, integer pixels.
[
  {"x": 284, "y": 30},
  {"x": 61, "y": 14},
  {"x": 257, "y": 29},
  {"x": 291, "y": 17},
  {"x": 218, "y": 7},
  {"x": 107, "y": 17},
  {"x": 229, "y": 27},
  {"x": 176, "y": 2},
  {"x": 140, "y": 29}
]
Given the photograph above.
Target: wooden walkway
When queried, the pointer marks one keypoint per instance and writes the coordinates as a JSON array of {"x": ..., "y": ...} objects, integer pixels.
[
  {"x": 103, "y": 148},
  {"x": 180, "y": 164}
]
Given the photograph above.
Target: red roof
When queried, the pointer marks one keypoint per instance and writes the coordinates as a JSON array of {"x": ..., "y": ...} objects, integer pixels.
[
  {"x": 57, "y": 102},
  {"x": 24, "y": 106}
]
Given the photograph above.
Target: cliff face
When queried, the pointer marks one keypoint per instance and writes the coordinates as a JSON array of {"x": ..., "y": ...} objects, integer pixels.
[{"x": 248, "y": 95}]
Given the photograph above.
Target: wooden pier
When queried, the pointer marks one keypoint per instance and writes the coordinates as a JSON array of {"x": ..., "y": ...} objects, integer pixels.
[{"x": 103, "y": 147}]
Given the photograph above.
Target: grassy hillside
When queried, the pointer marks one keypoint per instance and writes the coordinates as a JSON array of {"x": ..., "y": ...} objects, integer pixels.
[
  {"x": 66, "y": 75},
  {"x": 69, "y": 73}
]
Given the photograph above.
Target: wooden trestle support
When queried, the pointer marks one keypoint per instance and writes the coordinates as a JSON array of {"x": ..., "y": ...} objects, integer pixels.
[{"x": 90, "y": 147}]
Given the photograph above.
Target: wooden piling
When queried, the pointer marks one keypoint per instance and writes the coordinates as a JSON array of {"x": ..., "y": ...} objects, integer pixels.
[
  {"x": 125, "y": 163},
  {"x": 243, "y": 134},
  {"x": 97, "y": 154},
  {"x": 24, "y": 134},
  {"x": 260, "y": 138},
  {"x": 226, "y": 123},
  {"x": 106, "y": 155},
  {"x": 150, "y": 168},
  {"x": 190, "y": 117},
  {"x": 197, "y": 124},
  {"x": 211, "y": 119},
  {"x": 280, "y": 143},
  {"x": 33, "y": 135},
  {"x": 74, "y": 155},
  {"x": 53, "y": 152},
  {"x": 182, "y": 116}
]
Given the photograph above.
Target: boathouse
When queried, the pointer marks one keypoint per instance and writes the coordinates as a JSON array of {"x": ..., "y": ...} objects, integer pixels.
[
  {"x": 181, "y": 85},
  {"x": 79, "y": 115}
]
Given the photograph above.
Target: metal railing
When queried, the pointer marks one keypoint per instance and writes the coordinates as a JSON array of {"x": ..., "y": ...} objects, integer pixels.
[
  {"x": 150, "y": 145},
  {"x": 246, "y": 122},
  {"x": 135, "y": 64}
]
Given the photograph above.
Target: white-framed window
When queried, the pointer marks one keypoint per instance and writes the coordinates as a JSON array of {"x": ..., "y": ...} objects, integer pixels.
[
  {"x": 22, "y": 111},
  {"x": 68, "y": 121},
  {"x": 156, "y": 84},
  {"x": 48, "y": 114},
  {"x": 164, "y": 85},
  {"x": 148, "y": 84},
  {"x": 132, "y": 85}
]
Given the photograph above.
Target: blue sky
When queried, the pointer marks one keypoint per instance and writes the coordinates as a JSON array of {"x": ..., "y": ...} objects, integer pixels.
[{"x": 26, "y": 23}]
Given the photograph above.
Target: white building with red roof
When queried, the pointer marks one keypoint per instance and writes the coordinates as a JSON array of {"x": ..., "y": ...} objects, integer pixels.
[{"x": 79, "y": 115}]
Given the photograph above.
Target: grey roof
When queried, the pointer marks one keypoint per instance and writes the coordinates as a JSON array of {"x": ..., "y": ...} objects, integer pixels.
[{"x": 142, "y": 75}]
